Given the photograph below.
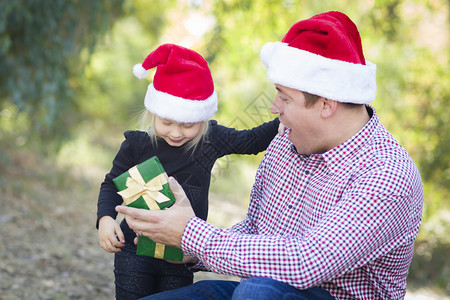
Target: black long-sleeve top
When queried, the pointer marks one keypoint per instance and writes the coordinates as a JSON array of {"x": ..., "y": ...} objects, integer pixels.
[{"x": 192, "y": 169}]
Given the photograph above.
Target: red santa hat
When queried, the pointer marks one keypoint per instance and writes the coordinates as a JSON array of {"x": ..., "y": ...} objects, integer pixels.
[
  {"x": 322, "y": 56},
  {"x": 182, "y": 88}
]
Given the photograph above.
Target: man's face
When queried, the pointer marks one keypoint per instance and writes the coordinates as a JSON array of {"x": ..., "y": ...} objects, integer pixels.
[{"x": 303, "y": 121}]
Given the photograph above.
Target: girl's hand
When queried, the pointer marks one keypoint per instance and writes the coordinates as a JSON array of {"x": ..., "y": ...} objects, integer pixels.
[{"x": 110, "y": 235}]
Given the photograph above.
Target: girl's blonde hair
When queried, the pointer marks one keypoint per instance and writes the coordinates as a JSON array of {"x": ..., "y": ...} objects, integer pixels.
[{"x": 147, "y": 124}]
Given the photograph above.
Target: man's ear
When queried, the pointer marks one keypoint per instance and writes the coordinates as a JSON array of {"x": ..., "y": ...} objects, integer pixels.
[{"x": 328, "y": 108}]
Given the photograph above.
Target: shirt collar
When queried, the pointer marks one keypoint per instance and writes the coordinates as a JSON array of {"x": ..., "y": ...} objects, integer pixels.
[{"x": 303, "y": 157}]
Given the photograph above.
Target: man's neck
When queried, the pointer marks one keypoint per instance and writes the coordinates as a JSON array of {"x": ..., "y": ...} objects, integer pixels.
[{"x": 345, "y": 124}]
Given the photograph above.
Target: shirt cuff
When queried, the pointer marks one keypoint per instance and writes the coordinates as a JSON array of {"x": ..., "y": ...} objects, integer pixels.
[{"x": 195, "y": 236}]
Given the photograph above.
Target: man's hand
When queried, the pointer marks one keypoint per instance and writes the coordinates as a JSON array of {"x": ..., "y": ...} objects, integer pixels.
[
  {"x": 162, "y": 226},
  {"x": 186, "y": 260}
]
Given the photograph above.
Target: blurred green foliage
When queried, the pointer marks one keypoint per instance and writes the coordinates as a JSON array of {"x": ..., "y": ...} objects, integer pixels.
[
  {"x": 109, "y": 92},
  {"x": 43, "y": 48}
]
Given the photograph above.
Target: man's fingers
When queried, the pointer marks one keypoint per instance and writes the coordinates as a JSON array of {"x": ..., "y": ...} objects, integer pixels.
[
  {"x": 136, "y": 224},
  {"x": 140, "y": 219},
  {"x": 178, "y": 192},
  {"x": 130, "y": 211},
  {"x": 175, "y": 187}
]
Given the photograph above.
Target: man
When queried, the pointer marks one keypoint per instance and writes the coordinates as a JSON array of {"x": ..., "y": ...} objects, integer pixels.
[{"x": 336, "y": 203}]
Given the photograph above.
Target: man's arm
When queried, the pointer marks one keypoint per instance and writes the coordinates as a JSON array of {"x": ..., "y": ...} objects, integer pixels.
[
  {"x": 358, "y": 230},
  {"x": 340, "y": 244}
]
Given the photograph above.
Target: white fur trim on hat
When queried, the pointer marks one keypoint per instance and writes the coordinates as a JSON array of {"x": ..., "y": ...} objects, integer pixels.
[
  {"x": 179, "y": 109},
  {"x": 308, "y": 72}
]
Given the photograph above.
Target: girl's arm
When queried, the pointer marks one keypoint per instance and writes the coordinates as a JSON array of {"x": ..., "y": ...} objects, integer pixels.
[
  {"x": 249, "y": 141},
  {"x": 108, "y": 198}
]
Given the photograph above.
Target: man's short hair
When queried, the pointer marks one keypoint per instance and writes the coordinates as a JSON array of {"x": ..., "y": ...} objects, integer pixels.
[{"x": 311, "y": 99}]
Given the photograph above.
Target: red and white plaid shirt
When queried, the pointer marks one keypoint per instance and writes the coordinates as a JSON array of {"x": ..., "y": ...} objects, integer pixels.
[{"x": 344, "y": 220}]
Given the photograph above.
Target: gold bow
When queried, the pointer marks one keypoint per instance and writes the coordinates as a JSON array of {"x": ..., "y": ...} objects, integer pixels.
[{"x": 150, "y": 191}]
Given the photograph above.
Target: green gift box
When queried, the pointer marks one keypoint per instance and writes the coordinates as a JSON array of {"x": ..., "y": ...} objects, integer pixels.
[{"x": 145, "y": 186}]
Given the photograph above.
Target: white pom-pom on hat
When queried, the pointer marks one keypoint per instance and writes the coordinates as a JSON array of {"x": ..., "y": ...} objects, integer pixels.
[{"x": 139, "y": 71}]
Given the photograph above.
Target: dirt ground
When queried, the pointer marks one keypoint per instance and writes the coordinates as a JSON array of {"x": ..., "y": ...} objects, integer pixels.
[{"x": 49, "y": 247}]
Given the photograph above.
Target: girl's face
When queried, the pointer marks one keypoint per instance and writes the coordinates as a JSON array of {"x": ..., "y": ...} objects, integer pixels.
[{"x": 174, "y": 133}]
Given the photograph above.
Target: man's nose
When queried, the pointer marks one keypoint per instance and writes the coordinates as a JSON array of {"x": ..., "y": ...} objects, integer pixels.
[{"x": 275, "y": 108}]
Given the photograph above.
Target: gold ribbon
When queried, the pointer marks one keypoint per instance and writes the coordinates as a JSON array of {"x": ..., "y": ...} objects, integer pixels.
[
  {"x": 150, "y": 192},
  {"x": 159, "y": 250}
]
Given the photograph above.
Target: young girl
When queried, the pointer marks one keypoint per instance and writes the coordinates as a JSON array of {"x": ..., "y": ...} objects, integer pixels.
[{"x": 178, "y": 104}]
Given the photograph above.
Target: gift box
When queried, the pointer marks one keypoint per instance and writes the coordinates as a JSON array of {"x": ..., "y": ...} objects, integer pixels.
[{"x": 145, "y": 186}]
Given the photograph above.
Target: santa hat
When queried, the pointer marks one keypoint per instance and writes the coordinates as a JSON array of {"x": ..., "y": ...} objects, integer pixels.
[
  {"x": 182, "y": 88},
  {"x": 322, "y": 56}
]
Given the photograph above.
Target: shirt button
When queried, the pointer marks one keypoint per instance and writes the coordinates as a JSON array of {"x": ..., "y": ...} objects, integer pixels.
[
  {"x": 290, "y": 206},
  {"x": 307, "y": 172}
]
